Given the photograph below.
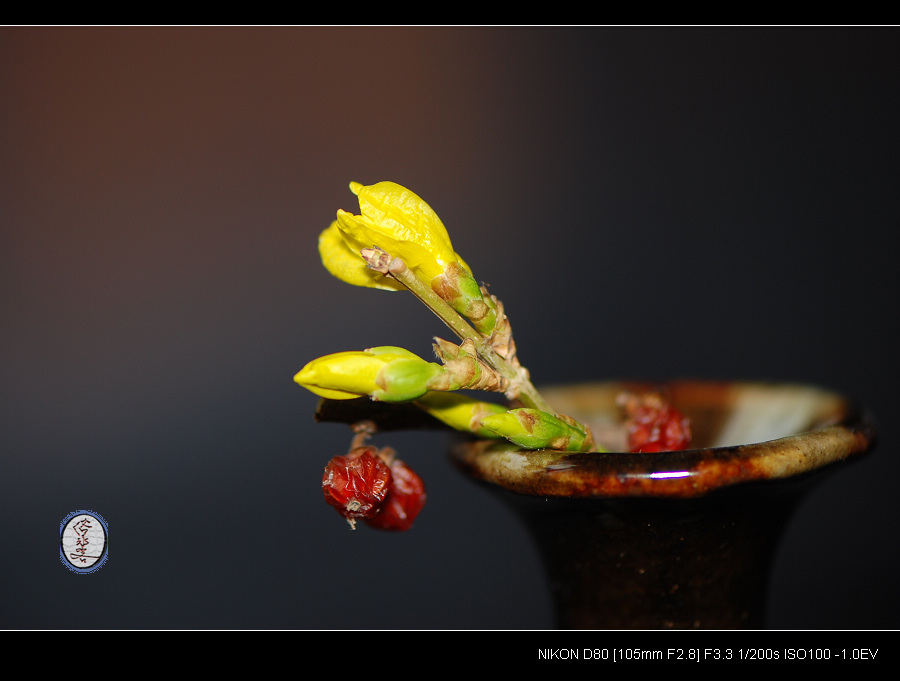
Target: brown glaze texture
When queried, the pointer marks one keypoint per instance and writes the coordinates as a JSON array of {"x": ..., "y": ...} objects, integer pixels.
[{"x": 800, "y": 429}]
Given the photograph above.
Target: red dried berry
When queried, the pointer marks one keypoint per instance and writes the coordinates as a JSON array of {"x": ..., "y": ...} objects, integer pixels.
[
  {"x": 404, "y": 500},
  {"x": 654, "y": 425},
  {"x": 357, "y": 484}
]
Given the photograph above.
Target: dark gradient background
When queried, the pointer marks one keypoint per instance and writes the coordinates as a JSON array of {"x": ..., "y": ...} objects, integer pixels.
[{"x": 690, "y": 202}]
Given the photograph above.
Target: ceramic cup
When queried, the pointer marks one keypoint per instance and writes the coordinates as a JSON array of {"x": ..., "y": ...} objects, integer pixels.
[{"x": 672, "y": 539}]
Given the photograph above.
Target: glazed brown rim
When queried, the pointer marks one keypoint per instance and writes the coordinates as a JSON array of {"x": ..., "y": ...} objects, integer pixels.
[{"x": 844, "y": 432}]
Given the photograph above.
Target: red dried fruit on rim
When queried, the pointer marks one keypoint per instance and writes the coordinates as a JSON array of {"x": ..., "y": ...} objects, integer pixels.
[
  {"x": 654, "y": 425},
  {"x": 357, "y": 484},
  {"x": 404, "y": 501}
]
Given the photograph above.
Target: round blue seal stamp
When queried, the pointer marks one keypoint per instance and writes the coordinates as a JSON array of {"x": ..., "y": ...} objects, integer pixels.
[{"x": 83, "y": 541}]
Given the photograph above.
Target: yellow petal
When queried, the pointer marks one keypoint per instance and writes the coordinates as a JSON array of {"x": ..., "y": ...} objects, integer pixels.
[
  {"x": 341, "y": 375},
  {"x": 347, "y": 265},
  {"x": 460, "y": 411},
  {"x": 360, "y": 232},
  {"x": 399, "y": 212},
  {"x": 399, "y": 221}
]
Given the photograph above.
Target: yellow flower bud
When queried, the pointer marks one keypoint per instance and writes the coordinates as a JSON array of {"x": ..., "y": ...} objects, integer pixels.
[
  {"x": 386, "y": 373},
  {"x": 341, "y": 375},
  {"x": 460, "y": 412},
  {"x": 395, "y": 220}
]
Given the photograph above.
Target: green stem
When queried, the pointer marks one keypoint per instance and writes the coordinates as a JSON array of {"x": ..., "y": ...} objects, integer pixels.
[
  {"x": 400, "y": 271},
  {"x": 525, "y": 391}
]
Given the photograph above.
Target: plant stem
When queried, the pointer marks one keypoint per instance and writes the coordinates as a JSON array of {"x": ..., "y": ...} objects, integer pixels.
[{"x": 522, "y": 387}]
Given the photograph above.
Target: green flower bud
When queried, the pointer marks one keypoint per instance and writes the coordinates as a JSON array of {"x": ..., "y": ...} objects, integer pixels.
[
  {"x": 458, "y": 287},
  {"x": 535, "y": 429},
  {"x": 403, "y": 380}
]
